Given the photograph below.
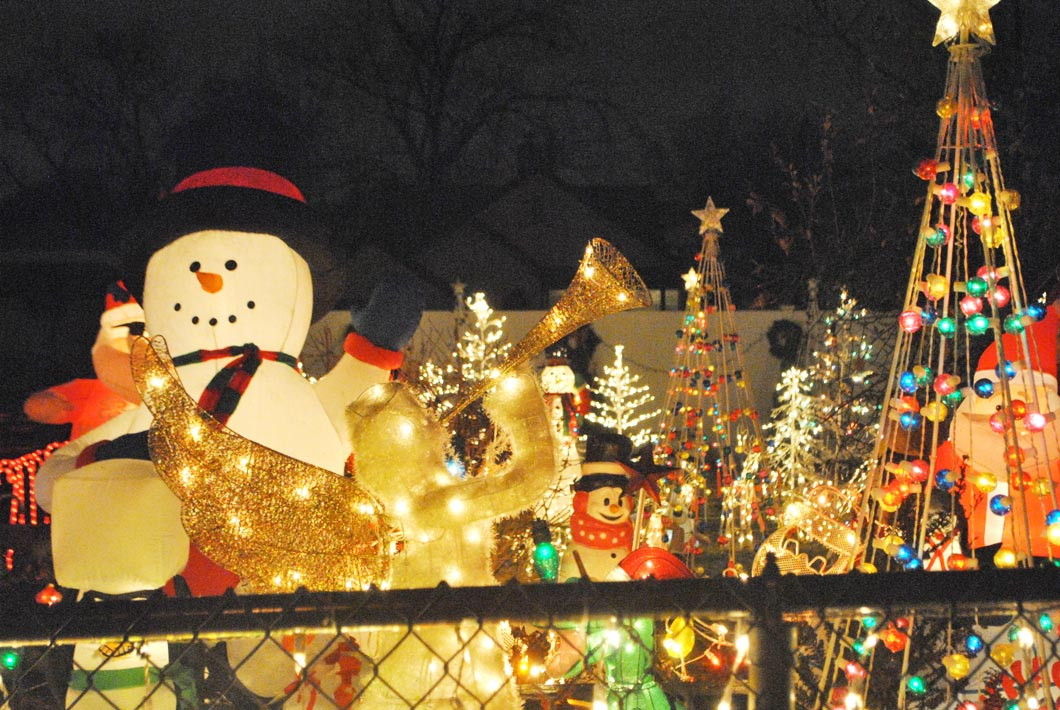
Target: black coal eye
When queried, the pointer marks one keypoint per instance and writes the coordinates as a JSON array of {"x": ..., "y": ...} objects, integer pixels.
[
  {"x": 176, "y": 306},
  {"x": 231, "y": 264},
  {"x": 195, "y": 266},
  {"x": 607, "y": 501}
]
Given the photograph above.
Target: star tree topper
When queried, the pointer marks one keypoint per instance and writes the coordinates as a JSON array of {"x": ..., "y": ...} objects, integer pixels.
[
  {"x": 957, "y": 15},
  {"x": 691, "y": 279},
  {"x": 710, "y": 217}
]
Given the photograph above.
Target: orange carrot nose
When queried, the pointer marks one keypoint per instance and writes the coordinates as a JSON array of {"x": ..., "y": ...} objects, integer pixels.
[
  {"x": 615, "y": 508},
  {"x": 211, "y": 283}
]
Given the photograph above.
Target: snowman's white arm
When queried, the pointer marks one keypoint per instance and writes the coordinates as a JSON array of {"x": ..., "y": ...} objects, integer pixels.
[
  {"x": 361, "y": 366},
  {"x": 64, "y": 459}
]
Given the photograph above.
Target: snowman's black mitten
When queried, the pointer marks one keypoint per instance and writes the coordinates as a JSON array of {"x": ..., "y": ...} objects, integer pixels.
[{"x": 392, "y": 314}]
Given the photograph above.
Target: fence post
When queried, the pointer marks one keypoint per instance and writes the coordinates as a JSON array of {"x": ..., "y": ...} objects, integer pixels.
[{"x": 771, "y": 647}]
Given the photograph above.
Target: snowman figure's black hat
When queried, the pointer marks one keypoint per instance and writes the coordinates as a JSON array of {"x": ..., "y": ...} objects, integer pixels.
[
  {"x": 242, "y": 199},
  {"x": 606, "y": 462},
  {"x": 611, "y": 461}
]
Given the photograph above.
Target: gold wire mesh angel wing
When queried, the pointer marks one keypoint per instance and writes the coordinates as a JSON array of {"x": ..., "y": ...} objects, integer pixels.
[{"x": 277, "y": 522}]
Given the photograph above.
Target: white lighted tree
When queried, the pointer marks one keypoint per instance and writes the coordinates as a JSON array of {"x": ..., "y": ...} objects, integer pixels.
[
  {"x": 480, "y": 349},
  {"x": 620, "y": 403}
]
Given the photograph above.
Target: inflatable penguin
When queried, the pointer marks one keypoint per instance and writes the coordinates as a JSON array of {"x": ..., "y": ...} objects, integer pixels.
[{"x": 233, "y": 267}]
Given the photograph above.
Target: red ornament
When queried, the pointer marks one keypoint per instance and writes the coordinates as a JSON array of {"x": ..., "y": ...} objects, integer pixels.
[
  {"x": 910, "y": 321},
  {"x": 999, "y": 421},
  {"x": 970, "y": 305},
  {"x": 49, "y": 596},
  {"x": 988, "y": 274},
  {"x": 893, "y": 639},
  {"x": 948, "y": 193},
  {"x": 926, "y": 169},
  {"x": 854, "y": 670},
  {"x": 1000, "y": 296},
  {"x": 645, "y": 562},
  {"x": 919, "y": 470}
]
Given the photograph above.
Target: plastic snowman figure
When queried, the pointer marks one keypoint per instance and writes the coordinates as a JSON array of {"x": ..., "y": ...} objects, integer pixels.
[
  {"x": 601, "y": 528},
  {"x": 236, "y": 269}
]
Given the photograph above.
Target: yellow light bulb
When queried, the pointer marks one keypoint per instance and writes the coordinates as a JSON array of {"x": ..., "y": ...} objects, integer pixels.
[
  {"x": 1005, "y": 558},
  {"x": 979, "y": 203}
]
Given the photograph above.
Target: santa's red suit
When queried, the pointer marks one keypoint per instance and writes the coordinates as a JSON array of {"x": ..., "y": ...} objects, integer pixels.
[{"x": 974, "y": 448}]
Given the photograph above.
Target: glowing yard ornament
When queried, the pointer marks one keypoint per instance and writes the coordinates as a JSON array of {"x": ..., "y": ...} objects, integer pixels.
[
  {"x": 971, "y": 16},
  {"x": 691, "y": 280},
  {"x": 232, "y": 267},
  {"x": 710, "y": 217},
  {"x": 910, "y": 320}
]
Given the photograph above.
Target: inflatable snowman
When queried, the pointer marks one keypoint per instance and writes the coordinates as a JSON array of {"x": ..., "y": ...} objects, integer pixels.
[
  {"x": 1006, "y": 515},
  {"x": 236, "y": 269}
]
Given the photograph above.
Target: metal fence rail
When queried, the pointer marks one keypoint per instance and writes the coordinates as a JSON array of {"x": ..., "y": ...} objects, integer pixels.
[{"x": 767, "y": 643}]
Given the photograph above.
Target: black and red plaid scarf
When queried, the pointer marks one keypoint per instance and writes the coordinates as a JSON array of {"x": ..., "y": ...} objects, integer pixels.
[{"x": 223, "y": 392}]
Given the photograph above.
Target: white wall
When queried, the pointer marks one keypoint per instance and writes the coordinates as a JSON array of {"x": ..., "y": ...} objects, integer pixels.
[{"x": 649, "y": 338}]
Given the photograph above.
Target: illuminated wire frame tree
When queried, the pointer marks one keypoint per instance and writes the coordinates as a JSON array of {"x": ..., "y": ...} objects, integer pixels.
[
  {"x": 970, "y": 406},
  {"x": 822, "y": 433},
  {"x": 710, "y": 427},
  {"x": 622, "y": 404}
]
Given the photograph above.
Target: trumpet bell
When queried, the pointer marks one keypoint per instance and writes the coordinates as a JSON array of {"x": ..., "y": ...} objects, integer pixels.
[{"x": 605, "y": 283}]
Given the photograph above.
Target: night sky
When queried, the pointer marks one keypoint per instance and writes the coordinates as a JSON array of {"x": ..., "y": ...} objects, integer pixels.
[{"x": 639, "y": 110}]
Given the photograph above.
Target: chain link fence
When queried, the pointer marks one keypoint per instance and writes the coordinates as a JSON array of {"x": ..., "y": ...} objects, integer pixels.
[{"x": 980, "y": 639}]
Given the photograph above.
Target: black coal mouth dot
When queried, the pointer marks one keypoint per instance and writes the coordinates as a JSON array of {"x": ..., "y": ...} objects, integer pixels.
[
  {"x": 195, "y": 320},
  {"x": 213, "y": 321},
  {"x": 231, "y": 319}
]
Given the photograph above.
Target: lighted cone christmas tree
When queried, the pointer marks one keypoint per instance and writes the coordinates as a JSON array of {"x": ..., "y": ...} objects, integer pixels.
[
  {"x": 710, "y": 428},
  {"x": 971, "y": 401},
  {"x": 972, "y": 384},
  {"x": 480, "y": 349}
]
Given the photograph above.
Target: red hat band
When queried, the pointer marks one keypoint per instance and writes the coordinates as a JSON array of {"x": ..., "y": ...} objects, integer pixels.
[{"x": 253, "y": 178}]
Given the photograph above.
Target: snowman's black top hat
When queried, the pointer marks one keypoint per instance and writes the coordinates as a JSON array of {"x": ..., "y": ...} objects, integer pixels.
[
  {"x": 242, "y": 199},
  {"x": 606, "y": 463},
  {"x": 611, "y": 461}
]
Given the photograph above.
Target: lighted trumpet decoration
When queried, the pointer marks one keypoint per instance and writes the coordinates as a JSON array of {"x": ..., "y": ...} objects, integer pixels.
[
  {"x": 277, "y": 522},
  {"x": 426, "y": 503},
  {"x": 400, "y": 450},
  {"x": 605, "y": 283}
]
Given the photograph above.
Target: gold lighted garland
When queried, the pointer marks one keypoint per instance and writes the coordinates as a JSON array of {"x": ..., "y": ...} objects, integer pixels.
[{"x": 277, "y": 522}]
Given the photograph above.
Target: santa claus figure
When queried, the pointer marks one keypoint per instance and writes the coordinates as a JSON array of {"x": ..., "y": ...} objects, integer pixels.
[{"x": 1006, "y": 457}]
